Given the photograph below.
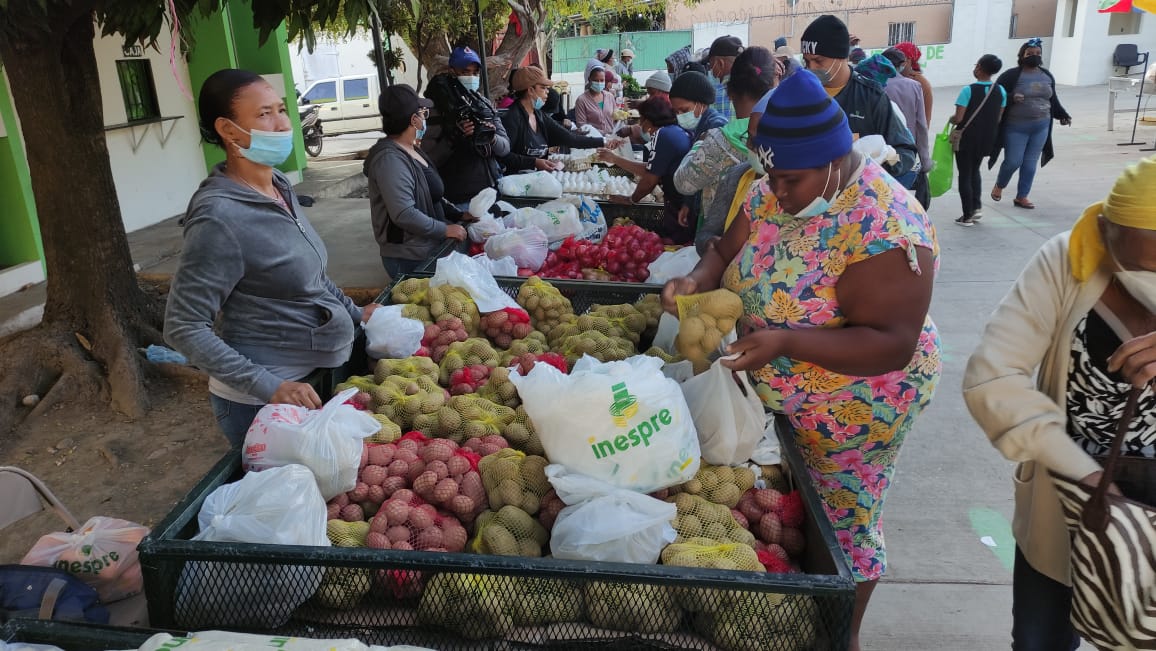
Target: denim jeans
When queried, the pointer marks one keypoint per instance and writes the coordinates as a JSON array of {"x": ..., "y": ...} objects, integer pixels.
[
  {"x": 398, "y": 267},
  {"x": 1023, "y": 143},
  {"x": 1041, "y": 611},
  {"x": 234, "y": 418}
]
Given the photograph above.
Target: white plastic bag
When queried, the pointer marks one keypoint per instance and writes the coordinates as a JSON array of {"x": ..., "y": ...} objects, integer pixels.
[
  {"x": 460, "y": 270},
  {"x": 593, "y": 221},
  {"x": 527, "y": 246},
  {"x": 590, "y": 131},
  {"x": 390, "y": 335},
  {"x": 500, "y": 267},
  {"x": 876, "y": 148},
  {"x": 557, "y": 219},
  {"x": 620, "y": 422},
  {"x": 231, "y": 641},
  {"x": 102, "y": 553},
  {"x": 728, "y": 414},
  {"x": 531, "y": 184},
  {"x": 485, "y": 228},
  {"x": 327, "y": 441},
  {"x": 604, "y": 523},
  {"x": 280, "y": 506},
  {"x": 666, "y": 333},
  {"x": 673, "y": 264},
  {"x": 480, "y": 204}
]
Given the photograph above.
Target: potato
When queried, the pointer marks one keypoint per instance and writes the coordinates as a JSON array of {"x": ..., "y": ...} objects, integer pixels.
[{"x": 397, "y": 534}]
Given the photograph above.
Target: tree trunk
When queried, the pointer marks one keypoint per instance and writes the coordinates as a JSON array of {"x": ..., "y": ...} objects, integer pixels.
[
  {"x": 92, "y": 290},
  {"x": 512, "y": 50}
]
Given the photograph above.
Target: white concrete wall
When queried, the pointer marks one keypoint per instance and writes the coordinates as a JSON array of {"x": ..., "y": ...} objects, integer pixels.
[
  {"x": 1085, "y": 59},
  {"x": 345, "y": 57},
  {"x": 154, "y": 182}
]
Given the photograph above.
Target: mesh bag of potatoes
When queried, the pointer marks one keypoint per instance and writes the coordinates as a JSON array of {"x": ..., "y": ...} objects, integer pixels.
[
  {"x": 509, "y": 531},
  {"x": 343, "y": 587},
  {"x": 521, "y": 434},
  {"x": 475, "y": 606},
  {"x": 411, "y": 290},
  {"x": 596, "y": 345},
  {"x": 545, "y": 601},
  {"x": 447, "y": 301},
  {"x": 651, "y": 307},
  {"x": 624, "y": 320},
  {"x": 506, "y": 326},
  {"x": 546, "y": 305},
  {"x": 410, "y": 367},
  {"x": 401, "y": 399},
  {"x": 718, "y": 484},
  {"x": 698, "y": 518},
  {"x": 760, "y": 621},
  {"x": 710, "y": 554},
  {"x": 632, "y": 607},
  {"x": 499, "y": 390},
  {"x": 465, "y": 417},
  {"x": 471, "y": 352},
  {"x": 534, "y": 344},
  {"x": 514, "y": 478},
  {"x": 416, "y": 312},
  {"x": 703, "y": 321}
]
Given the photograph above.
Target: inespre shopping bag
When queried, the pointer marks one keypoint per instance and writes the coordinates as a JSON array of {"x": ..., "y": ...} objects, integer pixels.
[{"x": 939, "y": 179}]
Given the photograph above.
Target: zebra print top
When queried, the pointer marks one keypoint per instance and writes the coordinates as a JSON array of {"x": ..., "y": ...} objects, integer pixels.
[{"x": 1095, "y": 397}]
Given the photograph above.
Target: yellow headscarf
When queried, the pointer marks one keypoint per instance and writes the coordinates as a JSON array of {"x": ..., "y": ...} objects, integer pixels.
[{"x": 1131, "y": 203}]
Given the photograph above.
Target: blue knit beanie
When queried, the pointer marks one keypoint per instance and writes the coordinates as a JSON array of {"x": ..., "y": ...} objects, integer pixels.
[{"x": 802, "y": 127}]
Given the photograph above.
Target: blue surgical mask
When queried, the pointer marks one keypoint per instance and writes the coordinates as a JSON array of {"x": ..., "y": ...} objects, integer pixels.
[
  {"x": 598, "y": 86},
  {"x": 820, "y": 204},
  {"x": 421, "y": 131},
  {"x": 269, "y": 148},
  {"x": 539, "y": 103},
  {"x": 688, "y": 120},
  {"x": 471, "y": 82},
  {"x": 645, "y": 136},
  {"x": 756, "y": 162}
]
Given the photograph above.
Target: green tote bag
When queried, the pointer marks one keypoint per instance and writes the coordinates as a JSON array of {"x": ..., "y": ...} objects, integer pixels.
[{"x": 940, "y": 178}]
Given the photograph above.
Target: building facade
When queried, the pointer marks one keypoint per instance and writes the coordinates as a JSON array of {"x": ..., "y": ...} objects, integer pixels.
[{"x": 151, "y": 131}]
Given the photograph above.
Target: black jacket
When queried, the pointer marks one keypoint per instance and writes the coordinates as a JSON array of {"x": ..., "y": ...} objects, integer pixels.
[
  {"x": 469, "y": 166},
  {"x": 1008, "y": 80},
  {"x": 982, "y": 130},
  {"x": 517, "y": 124},
  {"x": 869, "y": 113}
]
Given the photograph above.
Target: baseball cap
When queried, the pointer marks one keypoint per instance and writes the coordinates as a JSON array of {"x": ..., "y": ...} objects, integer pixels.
[
  {"x": 462, "y": 57},
  {"x": 627, "y": 52},
  {"x": 401, "y": 99},
  {"x": 725, "y": 46}
]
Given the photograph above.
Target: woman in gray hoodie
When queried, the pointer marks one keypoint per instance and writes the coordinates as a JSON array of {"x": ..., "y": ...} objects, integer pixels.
[{"x": 251, "y": 303}]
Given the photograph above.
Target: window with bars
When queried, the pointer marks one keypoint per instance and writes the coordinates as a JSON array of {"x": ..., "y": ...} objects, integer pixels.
[
  {"x": 138, "y": 89},
  {"x": 899, "y": 32}
]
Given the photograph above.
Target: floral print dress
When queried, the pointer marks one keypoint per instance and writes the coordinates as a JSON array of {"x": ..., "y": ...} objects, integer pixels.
[{"x": 848, "y": 428}]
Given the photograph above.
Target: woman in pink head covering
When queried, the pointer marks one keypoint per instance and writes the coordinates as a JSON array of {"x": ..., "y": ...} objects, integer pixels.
[{"x": 914, "y": 71}]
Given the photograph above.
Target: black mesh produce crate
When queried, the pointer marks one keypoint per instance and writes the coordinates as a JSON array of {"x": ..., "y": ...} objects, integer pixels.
[
  {"x": 74, "y": 636},
  {"x": 646, "y": 215},
  {"x": 583, "y": 294},
  {"x": 467, "y": 601}
]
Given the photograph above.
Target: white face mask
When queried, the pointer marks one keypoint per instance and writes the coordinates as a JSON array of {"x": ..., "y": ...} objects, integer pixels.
[{"x": 1141, "y": 285}]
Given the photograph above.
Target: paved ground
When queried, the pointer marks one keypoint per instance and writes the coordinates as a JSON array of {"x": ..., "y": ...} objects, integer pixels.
[{"x": 946, "y": 589}]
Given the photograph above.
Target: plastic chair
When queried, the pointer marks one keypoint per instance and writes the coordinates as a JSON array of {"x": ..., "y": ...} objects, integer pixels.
[
  {"x": 1127, "y": 56},
  {"x": 26, "y": 495}
]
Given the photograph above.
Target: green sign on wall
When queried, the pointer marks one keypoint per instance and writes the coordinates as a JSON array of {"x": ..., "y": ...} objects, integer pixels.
[{"x": 650, "y": 48}]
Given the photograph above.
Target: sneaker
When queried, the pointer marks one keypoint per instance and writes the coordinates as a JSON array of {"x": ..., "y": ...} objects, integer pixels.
[
  {"x": 977, "y": 215},
  {"x": 965, "y": 220}
]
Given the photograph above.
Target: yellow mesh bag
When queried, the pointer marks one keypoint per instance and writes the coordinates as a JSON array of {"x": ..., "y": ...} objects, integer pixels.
[
  {"x": 534, "y": 343},
  {"x": 655, "y": 351},
  {"x": 651, "y": 307},
  {"x": 545, "y": 304},
  {"x": 521, "y": 435},
  {"x": 474, "y": 606},
  {"x": 703, "y": 320},
  {"x": 698, "y": 518},
  {"x": 342, "y": 588},
  {"x": 704, "y": 552},
  {"x": 718, "y": 484},
  {"x": 499, "y": 389},
  {"x": 417, "y": 312},
  {"x": 514, "y": 478},
  {"x": 448, "y": 301},
  {"x": 757, "y": 621},
  {"x": 410, "y": 367},
  {"x": 402, "y": 399},
  {"x": 389, "y": 432},
  {"x": 461, "y": 354},
  {"x": 346, "y": 534},
  {"x": 411, "y": 290},
  {"x": 545, "y": 601},
  {"x": 465, "y": 417},
  {"x": 596, "y": 345},
  {"x": 509, "y": 531},
  {"x": 624, "y": 319},
  {"x": 632, "y": 607}
]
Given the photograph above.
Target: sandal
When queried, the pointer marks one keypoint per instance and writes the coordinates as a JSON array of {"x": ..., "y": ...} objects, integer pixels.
[
  {"x": 1024, "y": 203},
  {"x": 996, "y": 193}
]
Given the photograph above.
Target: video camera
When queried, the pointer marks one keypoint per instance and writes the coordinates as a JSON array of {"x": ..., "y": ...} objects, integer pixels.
[{"x": 456, "y": 104}]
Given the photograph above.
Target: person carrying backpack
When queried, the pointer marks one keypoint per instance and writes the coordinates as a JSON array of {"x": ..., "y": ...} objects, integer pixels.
[{"x": 978, "y": 111}]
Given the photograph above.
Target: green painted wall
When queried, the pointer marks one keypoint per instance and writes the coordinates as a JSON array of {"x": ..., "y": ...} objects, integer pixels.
[
  {"x": 650, "y": 48},
  {"x": 229, "y": 40},
  {"x": 19, "y": 230}
]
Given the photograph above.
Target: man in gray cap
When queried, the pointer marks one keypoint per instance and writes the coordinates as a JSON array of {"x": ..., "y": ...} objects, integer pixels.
[{"x": 720, "y": 58}]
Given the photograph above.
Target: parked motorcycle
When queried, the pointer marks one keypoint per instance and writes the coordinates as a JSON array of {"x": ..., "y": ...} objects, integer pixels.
[{"x": 311, "y": 128}]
